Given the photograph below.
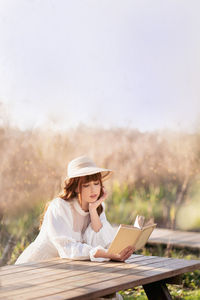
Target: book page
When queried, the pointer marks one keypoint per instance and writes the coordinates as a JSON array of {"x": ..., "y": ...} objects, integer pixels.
[
  {"x": 139, "y": 222},
  {"x": 145, "y": 234}
]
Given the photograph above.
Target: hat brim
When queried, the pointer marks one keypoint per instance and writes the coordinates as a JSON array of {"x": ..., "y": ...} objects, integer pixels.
[{"x": 105, "y": 173}]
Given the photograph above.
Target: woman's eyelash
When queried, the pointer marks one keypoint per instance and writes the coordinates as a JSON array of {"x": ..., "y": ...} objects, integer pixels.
[{"x": 86, "y": 185}]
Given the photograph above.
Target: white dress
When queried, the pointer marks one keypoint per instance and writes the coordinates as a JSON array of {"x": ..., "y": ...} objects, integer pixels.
[{"x": 66, "y": 232}]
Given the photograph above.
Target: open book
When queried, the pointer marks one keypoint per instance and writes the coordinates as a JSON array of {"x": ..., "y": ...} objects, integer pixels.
[{"x": 136, "y": 235}]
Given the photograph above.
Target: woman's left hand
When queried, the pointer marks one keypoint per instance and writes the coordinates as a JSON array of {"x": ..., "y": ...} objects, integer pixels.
[{"x": 94, "y": 205}]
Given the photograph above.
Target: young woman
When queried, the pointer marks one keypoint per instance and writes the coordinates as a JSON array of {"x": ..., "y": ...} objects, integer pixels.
[{"x": 74, "y": 224}]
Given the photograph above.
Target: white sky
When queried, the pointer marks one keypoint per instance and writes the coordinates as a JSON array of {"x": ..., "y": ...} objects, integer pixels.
[{"x": 106, "y": 62}]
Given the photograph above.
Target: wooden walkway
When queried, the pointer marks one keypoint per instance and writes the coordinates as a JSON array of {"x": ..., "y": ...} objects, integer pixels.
[{"x": 179, "y": 239}]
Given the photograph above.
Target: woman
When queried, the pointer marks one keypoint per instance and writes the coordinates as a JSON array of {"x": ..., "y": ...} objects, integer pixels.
[{"x": 74, "y": 225}]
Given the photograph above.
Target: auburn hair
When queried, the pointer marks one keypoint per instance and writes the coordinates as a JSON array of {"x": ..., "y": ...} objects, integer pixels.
[{"x": 72, "y": 189}]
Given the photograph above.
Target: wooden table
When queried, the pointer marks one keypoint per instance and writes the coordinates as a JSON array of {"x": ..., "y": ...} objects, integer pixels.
[{"x": 58, "y": 278}]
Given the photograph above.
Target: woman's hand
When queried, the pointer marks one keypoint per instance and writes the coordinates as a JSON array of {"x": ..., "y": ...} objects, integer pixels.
[
  {"x": 122, "y": 256},
  {"x": 93, "y": 206}
]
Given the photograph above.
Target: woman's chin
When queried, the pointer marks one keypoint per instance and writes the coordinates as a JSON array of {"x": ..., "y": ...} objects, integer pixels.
[{"x": 92, "y": 200}]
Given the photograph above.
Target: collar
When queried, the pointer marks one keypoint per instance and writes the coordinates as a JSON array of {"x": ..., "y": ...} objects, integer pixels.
[{"x": 79, "y": 208}]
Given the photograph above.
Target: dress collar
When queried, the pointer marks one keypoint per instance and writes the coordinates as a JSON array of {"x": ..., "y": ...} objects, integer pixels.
[{"x": 79, "y": 208}]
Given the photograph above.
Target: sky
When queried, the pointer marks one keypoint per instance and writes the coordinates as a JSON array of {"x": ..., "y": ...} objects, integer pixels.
[{"x": 105, "y": 63}]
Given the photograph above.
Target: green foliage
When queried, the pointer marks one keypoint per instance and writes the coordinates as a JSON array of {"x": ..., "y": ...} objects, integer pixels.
[
  {"x": 190, "y": 289},
  {"x": 135, "y": 293},
  {"x": 192, "y": 280},
  {"x": 24, "y": 228},
  {"x": 25, "y": 224},
  {"x": 150, "y": 201},
  {"x": 119, "y": 206},
  {"x": 176, "y": 292}
]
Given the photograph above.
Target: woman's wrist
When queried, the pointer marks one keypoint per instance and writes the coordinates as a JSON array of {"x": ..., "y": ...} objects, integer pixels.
[
  {"x": 95, "y": 221},
  {"x": 92, "y": 210},
  {"x": 101, "y": 253}
]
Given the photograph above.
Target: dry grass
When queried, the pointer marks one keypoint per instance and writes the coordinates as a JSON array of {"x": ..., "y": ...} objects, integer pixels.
[{"x": 34, "y": 163}]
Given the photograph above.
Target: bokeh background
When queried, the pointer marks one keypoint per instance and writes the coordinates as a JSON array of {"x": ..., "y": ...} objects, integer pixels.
[{"x": 115, "y": 80}]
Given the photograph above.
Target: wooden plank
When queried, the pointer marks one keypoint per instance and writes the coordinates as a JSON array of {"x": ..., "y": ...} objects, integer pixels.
[
  {"x": 35, "y": 277},
  {"x": 181, "y": 245},
  {"x": 176, "y": 238},
  {"x": 100, "y": 272},
  {"x": 61, "y": 264},
  {"x": 94, "y": 280},
  {"x": 30, "y": 266},
  {"x": 105, "y": 288},
  {"x": 46, "y": 279},
  {"x": 141, "y": 258},
  {"x": 125, "y": 280},
  {"x": 76, "y": 269},
  {"x": 7, "y": 270},
  {"x": 173, "y": 235},
  {"x": 7, "y": 267}
]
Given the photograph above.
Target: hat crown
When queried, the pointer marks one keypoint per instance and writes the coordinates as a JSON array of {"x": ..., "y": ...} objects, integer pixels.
[{"x": 79, "y": 163}]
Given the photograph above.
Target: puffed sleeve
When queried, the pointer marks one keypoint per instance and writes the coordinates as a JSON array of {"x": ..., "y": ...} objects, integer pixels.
[
  {"x": 60, "y": 232},
  {"x": 104, "y": 236}
]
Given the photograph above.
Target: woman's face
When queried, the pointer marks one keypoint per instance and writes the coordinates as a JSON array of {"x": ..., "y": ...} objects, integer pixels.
[{"x": 90, "y": 191}]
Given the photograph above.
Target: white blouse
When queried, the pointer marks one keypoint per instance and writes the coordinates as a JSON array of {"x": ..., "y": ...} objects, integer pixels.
[{"x": 66, "y": 232}]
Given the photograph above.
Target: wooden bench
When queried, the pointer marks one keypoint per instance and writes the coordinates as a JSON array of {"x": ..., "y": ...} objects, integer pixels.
[{"x": 58, "y": 278}]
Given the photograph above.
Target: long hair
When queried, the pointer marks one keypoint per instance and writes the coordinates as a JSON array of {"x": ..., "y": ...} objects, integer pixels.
[{"x": 72, "y": 189}]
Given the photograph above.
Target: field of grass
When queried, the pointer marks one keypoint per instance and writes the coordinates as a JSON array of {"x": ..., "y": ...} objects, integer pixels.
[
  {"x": 155, "y": 174},
  {"x": 149, "y": 169}
]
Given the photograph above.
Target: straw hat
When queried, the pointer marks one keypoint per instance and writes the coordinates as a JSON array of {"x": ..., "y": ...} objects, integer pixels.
[{"x": 82, "y": 166}]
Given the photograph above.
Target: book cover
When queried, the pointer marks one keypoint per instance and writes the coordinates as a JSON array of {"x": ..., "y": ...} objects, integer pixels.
[{"x": 136, "y": 235}]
